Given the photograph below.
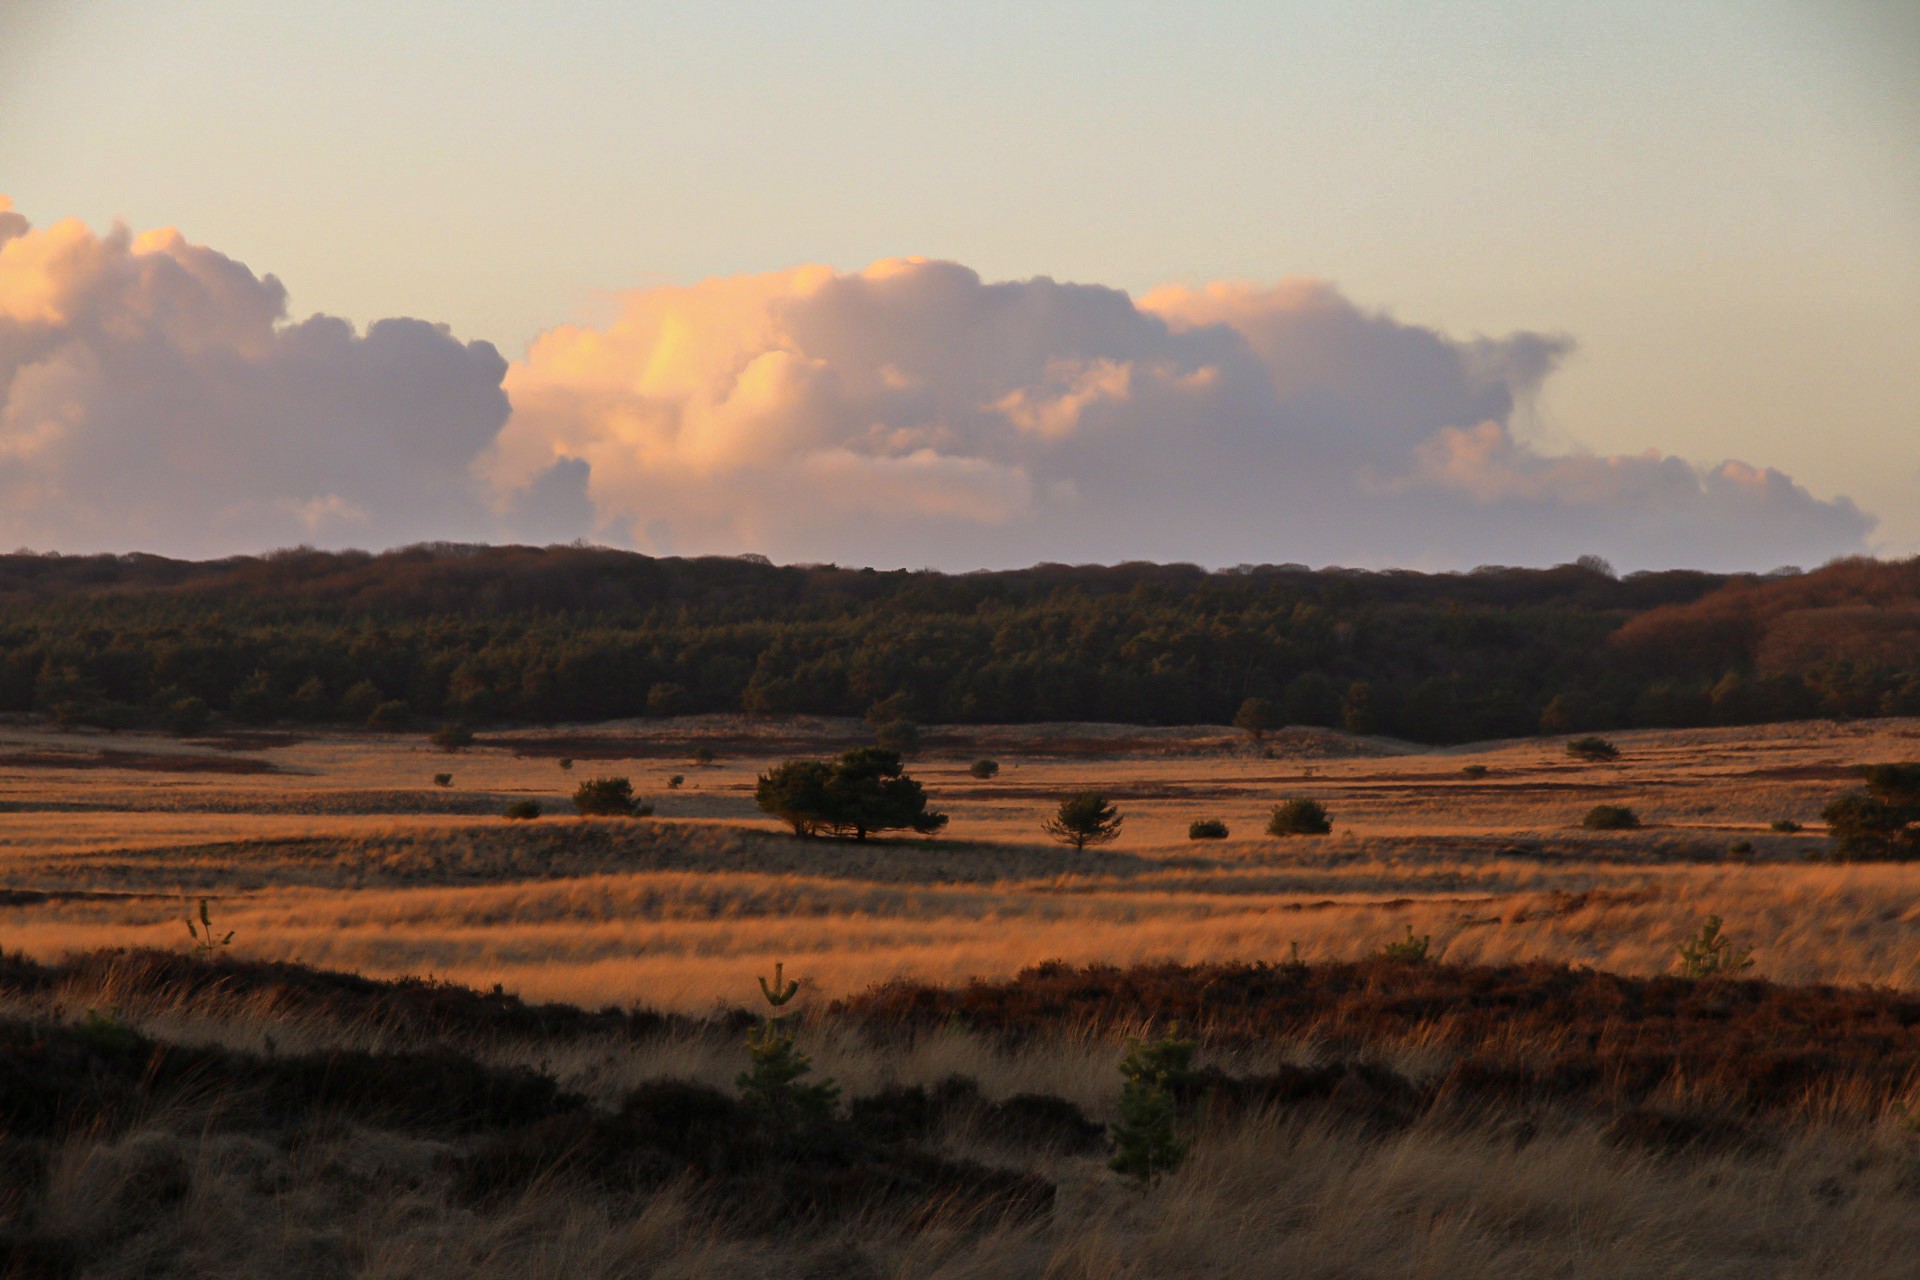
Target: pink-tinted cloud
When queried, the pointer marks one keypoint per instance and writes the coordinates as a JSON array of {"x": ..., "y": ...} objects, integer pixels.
[
  {"x": 153, "y": 397},
  {"x": 914, "y": 414}
]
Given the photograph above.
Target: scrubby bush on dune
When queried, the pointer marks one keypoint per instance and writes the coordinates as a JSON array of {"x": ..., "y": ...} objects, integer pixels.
[
  {"x": 442, "y": 779},
  {"x": 522, "y": 811},
  {"x": 984, "y": 769},
  {"x": 1592, "y": 749},
  {"x": 609, "y": 798},
  {"x": 1610, "y": 817},
  {"x": 1300, "y": 816},
  {"x": 1207, "y": 829}
]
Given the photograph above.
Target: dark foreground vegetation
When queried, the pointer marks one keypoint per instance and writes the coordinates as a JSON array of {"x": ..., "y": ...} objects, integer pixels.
[
  {"x": 417, "y": 637},
  {"x": 425, "y": 1093}
]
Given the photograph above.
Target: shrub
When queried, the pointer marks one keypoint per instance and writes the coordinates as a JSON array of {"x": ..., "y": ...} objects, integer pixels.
[
  {"x": 389, "y": 716},
  {"x": 1145, "y": 1143},
  {"x": 452, "y": 737},
  {"x": 984, "y": 769},
  {"x": 1407, "y": 950},
  {"x": 1300, "y": 816},
  {"x": 1207, "y": 829},
  {"x": 770, "y": 1088},
  {"x": 1474, "y": 770},
  {"x": 566, "y": 762},
  {"x": 1255, "y": 717},
  {"x": 902, "y": 737},
  {"x": 1785, "y": 826},
  {"x": 608, "y": 798},
  {"x": 1740, "y": 851},
  {"x": 1610, "y": 817},
  {"x": 1878, "y": 822},
  {"x": 702, "y": 756},
  {"x": 677, "y": 781},
  {"x": 442, "y": 779},
  {"x": 522, "y": 811},
  {"x": 1591, "y": 748},
  {"x": 1710, "y": 954},
  {"x": 863, "y": 791},
  {"x": 1084, "y": 818}
]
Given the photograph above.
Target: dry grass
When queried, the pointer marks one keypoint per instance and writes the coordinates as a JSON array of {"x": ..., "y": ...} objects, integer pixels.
[{"x": 327, "y": 862}]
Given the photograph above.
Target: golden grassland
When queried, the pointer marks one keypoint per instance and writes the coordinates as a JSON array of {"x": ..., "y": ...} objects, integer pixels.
[
  {"x": 342, "y": 853},
  {"x": 346, "y": 855}
]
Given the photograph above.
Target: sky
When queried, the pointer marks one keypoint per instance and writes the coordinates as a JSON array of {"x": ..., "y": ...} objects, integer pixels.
[{"x": 1412, "y": 283}]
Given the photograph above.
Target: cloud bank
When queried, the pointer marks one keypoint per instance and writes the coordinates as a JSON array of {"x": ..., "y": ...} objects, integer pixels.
[
  {"x": 914, "y": 414},
  {"x": 154, "y": 395}
]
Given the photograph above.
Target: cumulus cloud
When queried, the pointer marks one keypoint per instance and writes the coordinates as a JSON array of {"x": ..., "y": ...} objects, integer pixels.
[
  {"x": 913, "y": 414},
  {"x": 154, "y": 397}
]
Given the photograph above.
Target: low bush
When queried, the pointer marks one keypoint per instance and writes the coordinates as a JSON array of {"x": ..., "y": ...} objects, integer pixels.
[
  {"x": 452, "y": 737},
  {"x": 442, "y": 779},
  {"x": 1610, "y": 817},
  {"x": 1591, "y": 748},
  {"x": 522, "y": 811},
  {"x": 984, "y": 769},
  {"x": 608, "y": 798},
  {"x": 1300, "y": 816},
  {"x": 1785, "y": 826},
  {"x": 1474, "y": 770},
  {"x": 1207, "y": 829},
  {"x": 1740, "y": 851},
  {"x": 677, "y": 781}
]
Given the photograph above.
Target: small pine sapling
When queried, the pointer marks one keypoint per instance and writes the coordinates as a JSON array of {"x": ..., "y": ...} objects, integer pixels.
[
  {"x": 1407, "y": 950},
  {"x": 1146, "y": 1141},
  {"x": 770, "y": 1088},
  {"x": 205, "y": 940},
  {"x": 1711, "y": 954}
]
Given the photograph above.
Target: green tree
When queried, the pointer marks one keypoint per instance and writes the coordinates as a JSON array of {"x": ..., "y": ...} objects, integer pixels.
[
  {"x": 1356, "y": 709},
  {"x": 1084, "y": 818},
  {"x": 771, "y": 1088},
  {"x": 1256, "y": 716},
  {"x": 1878, "y": 823},
  {"x": 867, "y": 791},
  {"x": 862, "y": 792},
  {"x": 796, "y": 793},
  {"x": 1146, "y": 1141}
]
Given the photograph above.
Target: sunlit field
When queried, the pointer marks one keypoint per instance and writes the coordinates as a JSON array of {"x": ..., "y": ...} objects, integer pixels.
[
  {"x": 1469, "y": 1112},
  {"x": 339, "y": 850}
]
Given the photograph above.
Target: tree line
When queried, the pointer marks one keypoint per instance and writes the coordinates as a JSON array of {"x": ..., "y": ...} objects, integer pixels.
[{"x": 490, "y": 635}]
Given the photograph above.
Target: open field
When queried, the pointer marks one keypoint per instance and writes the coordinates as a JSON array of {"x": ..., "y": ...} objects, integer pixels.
[
  {"x": 338, "y": 850},
  {"x": 1543, "y": 1103}
]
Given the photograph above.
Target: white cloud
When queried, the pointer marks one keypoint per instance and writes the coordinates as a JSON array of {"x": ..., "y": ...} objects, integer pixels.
[
  {"x": 153, "y": 396},
  {"x": 914, "y": 414}
]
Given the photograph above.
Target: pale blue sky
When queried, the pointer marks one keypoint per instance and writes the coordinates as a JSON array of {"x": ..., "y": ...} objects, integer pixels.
[{"x": 1719, "y": 201}]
